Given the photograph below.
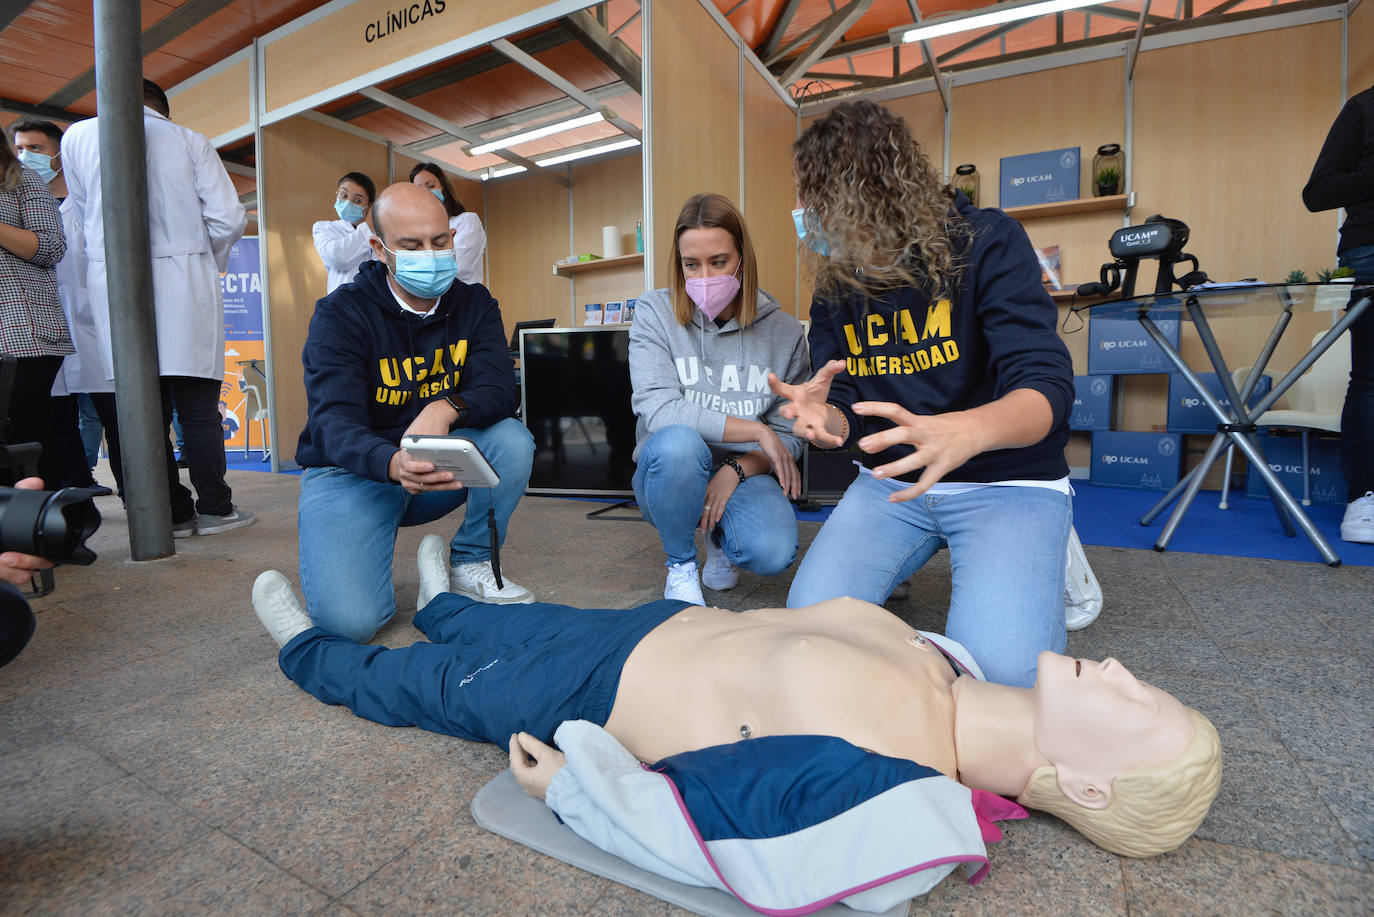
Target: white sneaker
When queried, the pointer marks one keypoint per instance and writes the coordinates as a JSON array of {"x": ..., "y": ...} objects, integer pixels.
[
  {"x": 682, "y": 584},
  {"x": 718, "y": 574},
  {"x": 1358, "y": 524},
  {"x": 1082, "y": 593},
  {"x": 277, "y": 607},
  {"x": 208, "y": 524},
  {"x": 477, "y": 581},
  {"x": 432, "y": 559}
]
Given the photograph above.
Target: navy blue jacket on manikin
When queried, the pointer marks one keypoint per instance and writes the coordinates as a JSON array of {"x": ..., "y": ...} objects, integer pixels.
[
  {"x": 370, "y": 367},
  {"x": 996, "y": 335}
]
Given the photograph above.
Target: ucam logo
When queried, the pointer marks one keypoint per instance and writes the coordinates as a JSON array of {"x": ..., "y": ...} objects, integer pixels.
[
  {"x": 1067, "y": 159},
  {"x": 1124, "y": 459},
  {"x": 1187, "y": 402},
  {"x": 1098, "y": 387},
  {"x": 1167, "y": 446},
  {"x": 1294, "y": 469},
  {"x": 1112, "y": 345},
  {"x": 1023, "y": 179},
  {"x": 1151, "y": 482}
]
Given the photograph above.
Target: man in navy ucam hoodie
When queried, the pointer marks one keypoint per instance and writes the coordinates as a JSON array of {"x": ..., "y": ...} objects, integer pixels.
[{"x": 403, "y": 349}]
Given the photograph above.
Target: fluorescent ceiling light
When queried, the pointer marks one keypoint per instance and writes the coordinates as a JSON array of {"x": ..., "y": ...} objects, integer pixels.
[
  {"x": 535, "y": 133},
  {"x": 589, "y": 151},
  {"x": 499, "y": 173},
  {"x": 1001, "y": 13}
]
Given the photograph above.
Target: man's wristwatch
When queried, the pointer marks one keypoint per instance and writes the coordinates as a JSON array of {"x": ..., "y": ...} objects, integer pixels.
[{"x": 462, "y": 409}]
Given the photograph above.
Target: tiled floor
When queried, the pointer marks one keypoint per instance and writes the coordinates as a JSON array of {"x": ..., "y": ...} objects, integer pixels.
[{"x": 154, "y": 760}]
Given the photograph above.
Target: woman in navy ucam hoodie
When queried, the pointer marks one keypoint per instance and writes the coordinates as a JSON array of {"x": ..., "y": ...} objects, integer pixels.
[
  {"x": 937, "y": 356},
  {"x": 713, "y": 450}
]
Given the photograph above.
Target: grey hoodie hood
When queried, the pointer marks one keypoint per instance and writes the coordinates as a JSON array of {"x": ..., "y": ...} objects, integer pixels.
[{"x": 698, "y": 374}]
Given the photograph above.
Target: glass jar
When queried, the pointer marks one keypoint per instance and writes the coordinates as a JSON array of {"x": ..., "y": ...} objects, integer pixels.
[
  {"x": 1109, "y": 170},
  {"x": 966, "y": 180}
]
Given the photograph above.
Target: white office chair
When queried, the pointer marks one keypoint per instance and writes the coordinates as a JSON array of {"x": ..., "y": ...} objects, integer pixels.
[
  {"x": 1314, "y": 403},
  {"x": 252, "y": 383}
]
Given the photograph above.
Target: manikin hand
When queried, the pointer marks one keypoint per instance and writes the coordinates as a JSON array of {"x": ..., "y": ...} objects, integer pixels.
[
  {"x": 943, "y": 442},
  {"x": 534, "y": 763},
  {"x": 806, "y": 406},
  {"x": 18, "y": 568},
  {"x": 417, "y": 477}
]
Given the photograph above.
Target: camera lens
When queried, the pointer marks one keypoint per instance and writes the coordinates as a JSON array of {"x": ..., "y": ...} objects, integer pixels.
[{"x": 51, "y": 525}]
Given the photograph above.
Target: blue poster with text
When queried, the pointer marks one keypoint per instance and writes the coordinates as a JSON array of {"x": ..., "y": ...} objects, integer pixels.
[
  {"x": 1117, "y": 344},
  {"x": 241, "y": 286},
  {"x": 1039, "y": 178},
  {"x": 1143, "y": 461},
  {"x": 1092, "y": 403}
]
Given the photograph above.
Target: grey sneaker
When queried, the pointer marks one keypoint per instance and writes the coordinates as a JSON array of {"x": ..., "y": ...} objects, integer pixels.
[
  {"x": 277, "y": 607},
  {"x": 210, "y": 524},
  {"x": 718, "y": 574},
  {"x": 432, "y": 560},
  {"x": 477, "y": 581},
  {"x": 184, "y": 529}
]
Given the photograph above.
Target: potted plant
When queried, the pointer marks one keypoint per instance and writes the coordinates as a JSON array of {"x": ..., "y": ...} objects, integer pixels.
[
  {"x": 1296, "y": 276},
  {"x": 1332, "y": 297},
  {"x": 1107, "y": 181}
]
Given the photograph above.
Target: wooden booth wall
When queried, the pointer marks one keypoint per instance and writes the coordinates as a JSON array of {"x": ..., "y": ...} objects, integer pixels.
[
  {"x": 302, "y": 160},
  {"x": 533, "y": 222},
  {"x": 1361, "y": 75},
  {"x": 769, "y": 194},
  {"x": 217, "y": 105}
]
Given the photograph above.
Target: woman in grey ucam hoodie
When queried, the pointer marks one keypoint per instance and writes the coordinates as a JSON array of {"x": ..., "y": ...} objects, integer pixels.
[{"x": 709, "y": 432}]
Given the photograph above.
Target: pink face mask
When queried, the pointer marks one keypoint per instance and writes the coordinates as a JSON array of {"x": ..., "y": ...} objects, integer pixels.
[{"x": 713, "y": 294}]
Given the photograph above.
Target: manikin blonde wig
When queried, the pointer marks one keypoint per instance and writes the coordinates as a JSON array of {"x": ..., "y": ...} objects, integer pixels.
[
  {"x": 711, "y": 211},
  {"x": 878, "y": 203},
  {"x": 1153, "y": 809}
]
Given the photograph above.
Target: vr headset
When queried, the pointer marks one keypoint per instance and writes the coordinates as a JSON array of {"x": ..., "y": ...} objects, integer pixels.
[{"x": 1158, "y": 237}]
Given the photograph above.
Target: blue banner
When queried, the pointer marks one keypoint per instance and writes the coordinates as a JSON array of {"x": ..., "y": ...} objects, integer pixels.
[
  {"x": 1039, "y": 178},
  {"x": 1143, "y": 461},
  {"x": 1118, "y": 345},
  {"x": 241, "y": 285},
  {"x": 1284, "y": 456},
  {"x": 1092, "y": 403},
  {"x": 1188, "y": 413}
]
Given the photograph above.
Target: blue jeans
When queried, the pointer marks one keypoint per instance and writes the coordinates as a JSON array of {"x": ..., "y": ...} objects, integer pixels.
[
  {"x": 91, "y": 431},
  {"x": 1006, "y": 549},
  {"x": 348, "y": 528},
  {"x": 758, "y": 531},
  {"x": 1357, "y": 417}
]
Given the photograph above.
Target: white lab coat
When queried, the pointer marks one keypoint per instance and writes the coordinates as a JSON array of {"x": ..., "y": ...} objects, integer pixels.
[
  {"x": 343, "y": 248},
  {"x": 194, "y": 218},
  {"x": 469, "y": 243},
  {"x": 87, "y": 370}
]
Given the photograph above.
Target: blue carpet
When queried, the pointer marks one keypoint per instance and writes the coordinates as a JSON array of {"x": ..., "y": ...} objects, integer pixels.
[{"x": 1110, "y": 516}]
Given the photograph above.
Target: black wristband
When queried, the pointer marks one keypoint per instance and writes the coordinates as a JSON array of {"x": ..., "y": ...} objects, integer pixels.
[
  {"x": 461, "y": 408},
  {"x": 735, "y": 465}
]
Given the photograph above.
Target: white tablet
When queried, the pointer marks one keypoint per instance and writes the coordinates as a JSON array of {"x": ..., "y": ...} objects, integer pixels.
[{"x": 453, "y": 453}]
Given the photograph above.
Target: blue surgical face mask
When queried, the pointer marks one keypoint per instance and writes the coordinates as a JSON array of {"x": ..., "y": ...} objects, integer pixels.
[
  {"x": 427, "y": 273},
  {"x": 817, "y": 242},
  {"x": 39, "y": 163},
  {"x": 347, "y": 210},
  {"x": 437, "y": 192}
]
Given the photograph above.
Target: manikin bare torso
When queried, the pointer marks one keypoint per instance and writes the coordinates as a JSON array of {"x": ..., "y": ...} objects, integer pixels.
[{"x": 842, "y": 668}]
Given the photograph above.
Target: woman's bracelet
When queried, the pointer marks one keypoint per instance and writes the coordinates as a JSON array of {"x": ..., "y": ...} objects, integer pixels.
[
  {"x": 844, "y": 421},
  {"x": 739, "y": 470}
]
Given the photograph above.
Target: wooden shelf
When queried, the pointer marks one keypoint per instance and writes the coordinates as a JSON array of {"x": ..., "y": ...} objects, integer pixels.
[
  {"x": 1067, "y": 208},
  {"x": 598, "y": 264}
]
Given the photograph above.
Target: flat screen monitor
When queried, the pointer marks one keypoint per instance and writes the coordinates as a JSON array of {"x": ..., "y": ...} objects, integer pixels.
[
  {"x": 575, "y": 400},
  {"x": 521, "y": 326}
]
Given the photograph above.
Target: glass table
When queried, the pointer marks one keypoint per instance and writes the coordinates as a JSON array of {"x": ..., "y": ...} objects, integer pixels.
[{"x": 1236, "y": 421}]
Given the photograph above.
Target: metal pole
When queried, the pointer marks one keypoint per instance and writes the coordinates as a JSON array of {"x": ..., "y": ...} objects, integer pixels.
[{"x": 129, "y": 273}]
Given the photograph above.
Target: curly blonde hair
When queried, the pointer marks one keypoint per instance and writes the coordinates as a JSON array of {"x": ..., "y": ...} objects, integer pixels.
[
  {"x": 1153, "y": 809},
  {"x": 873, "y": 195}
]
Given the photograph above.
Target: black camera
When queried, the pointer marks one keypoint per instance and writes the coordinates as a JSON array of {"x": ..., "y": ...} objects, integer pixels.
[{"x": 51, "y": 525}]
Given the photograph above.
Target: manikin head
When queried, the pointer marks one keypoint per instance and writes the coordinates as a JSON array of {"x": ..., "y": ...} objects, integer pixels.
[{"x": 1131, "y": 767}]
